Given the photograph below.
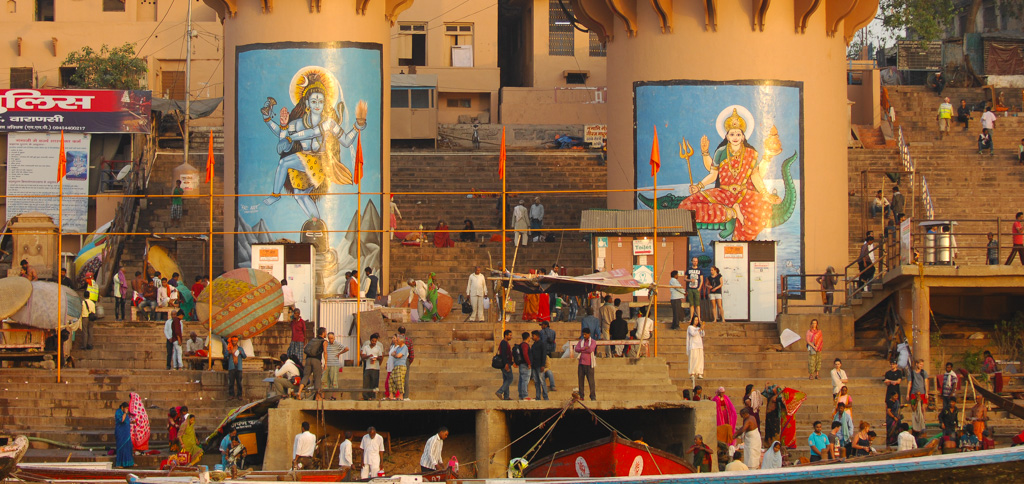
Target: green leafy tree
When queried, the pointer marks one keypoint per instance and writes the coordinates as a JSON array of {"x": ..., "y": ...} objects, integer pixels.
[
  {"x": 110, "y": 68},
  {"x": 928, "y": 19}
]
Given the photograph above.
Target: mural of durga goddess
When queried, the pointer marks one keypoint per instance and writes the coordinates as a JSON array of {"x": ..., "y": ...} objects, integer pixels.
[{"x": 310, "y": 138}]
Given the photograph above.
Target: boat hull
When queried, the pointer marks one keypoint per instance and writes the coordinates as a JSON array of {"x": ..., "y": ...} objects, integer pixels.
[
  {"x": 608, "y": 457},
  {"x": 11, "y": 454}
]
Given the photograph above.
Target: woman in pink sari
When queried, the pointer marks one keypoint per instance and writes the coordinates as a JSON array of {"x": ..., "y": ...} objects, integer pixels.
[
  {"x": 140, "y": 423},
  {"x": 725, "y": 412},
  {"x": 815, "y": 343}
]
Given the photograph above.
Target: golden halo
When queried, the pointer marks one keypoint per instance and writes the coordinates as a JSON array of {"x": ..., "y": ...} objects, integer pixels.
[{"x": 301, "y": 80}]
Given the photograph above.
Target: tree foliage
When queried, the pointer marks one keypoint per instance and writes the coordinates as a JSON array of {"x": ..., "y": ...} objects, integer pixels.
[
  {"x": 110, "y": 68},
  {"x": 928, "y": 19}
]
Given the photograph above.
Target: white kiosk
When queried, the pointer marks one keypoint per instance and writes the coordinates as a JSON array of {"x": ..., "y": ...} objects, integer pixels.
[
  {"x": 748, "y": 280},
  {"x": 294, "y": 263}
]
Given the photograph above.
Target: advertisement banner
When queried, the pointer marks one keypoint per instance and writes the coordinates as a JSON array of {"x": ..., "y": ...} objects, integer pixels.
[
  {"x": 303, "y": 112},
  {"x": 75, "y": 110},
  {"x": 32, "y": 170},
  {"x": 906, "y": 248},
  {"x": 733, "y": 154}
]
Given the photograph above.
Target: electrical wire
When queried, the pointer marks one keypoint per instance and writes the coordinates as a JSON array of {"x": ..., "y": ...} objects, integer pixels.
[{"x": 169, "y": 7}]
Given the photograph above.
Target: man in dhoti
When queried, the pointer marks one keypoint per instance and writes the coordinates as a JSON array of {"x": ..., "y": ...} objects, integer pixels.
[
  {"x": 751, "y": 440},
  {"x": 521, "y": 222}
]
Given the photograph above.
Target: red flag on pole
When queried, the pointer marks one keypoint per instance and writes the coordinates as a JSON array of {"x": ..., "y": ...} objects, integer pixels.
[
  {"x": 359, "y": 157},
  {"x": 501, "y": 156},
  {"x": 655, "y": 154},
  {"x": 209, "y": 160},
  {"x": 62, "y": 160}
]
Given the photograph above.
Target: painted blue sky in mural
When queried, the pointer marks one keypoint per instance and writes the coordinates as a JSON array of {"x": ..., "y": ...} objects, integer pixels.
[{"x": 729, "y": 207}]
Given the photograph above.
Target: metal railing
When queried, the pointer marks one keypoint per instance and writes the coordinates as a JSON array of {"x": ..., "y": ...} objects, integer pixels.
[
  {"x": 800, "y": 297},
  {"x": 855, "y": 277}
]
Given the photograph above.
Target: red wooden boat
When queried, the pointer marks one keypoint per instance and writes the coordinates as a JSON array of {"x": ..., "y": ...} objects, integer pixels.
[{"x": 611, "y": 456}]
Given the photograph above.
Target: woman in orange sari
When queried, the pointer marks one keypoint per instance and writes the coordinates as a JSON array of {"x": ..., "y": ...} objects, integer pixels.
[{"x": 741, "y": 194}]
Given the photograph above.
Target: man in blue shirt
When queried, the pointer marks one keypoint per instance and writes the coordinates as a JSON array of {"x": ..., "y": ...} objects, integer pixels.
[
  {"x": 817, "y": 442},
  {"x": 225, "y": 447},
  {"x": 234, "y": 355},
  {"x": 592, "y": 323}
]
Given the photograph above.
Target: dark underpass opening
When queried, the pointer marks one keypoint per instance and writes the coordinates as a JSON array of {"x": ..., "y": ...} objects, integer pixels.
[{"x": 667, "y": 429}]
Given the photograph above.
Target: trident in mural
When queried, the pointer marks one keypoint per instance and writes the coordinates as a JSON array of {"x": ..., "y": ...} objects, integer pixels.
[{"x": 685, "y": 152}]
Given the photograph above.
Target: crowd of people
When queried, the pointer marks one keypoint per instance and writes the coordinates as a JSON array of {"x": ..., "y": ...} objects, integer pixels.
[{"x": 308, "y": 454}]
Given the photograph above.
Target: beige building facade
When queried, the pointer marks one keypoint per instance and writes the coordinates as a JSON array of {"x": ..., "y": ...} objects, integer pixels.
[{"x": 41, "y": 33}]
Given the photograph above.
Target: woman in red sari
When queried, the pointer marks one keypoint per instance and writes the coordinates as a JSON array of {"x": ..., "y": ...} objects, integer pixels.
[{"x": 741, "y": 194}]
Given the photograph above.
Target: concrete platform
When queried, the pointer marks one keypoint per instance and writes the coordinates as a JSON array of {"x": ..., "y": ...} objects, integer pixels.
[{"x": 500, "y": 429}]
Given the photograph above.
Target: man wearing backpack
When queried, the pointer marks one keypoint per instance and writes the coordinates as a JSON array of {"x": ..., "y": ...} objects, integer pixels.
[
  {"x": 314, "y": 368},
  {"x": 521, "y": 356},
  {"x": 505, "y": 352}
]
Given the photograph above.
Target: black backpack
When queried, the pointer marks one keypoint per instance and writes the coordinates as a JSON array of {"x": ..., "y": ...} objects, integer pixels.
[
  {"x": 314, "y": 348},
  {"x": 517, "y": 354}
]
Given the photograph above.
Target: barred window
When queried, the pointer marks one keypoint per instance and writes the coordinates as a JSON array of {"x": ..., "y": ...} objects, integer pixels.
[
  {"x": 597, "y": 49},
  {"x": 560, "y": 30}
]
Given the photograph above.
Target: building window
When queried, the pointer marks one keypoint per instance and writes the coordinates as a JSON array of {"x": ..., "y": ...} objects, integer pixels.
[
  {"x": 597, "y": 49},
  {"x": 12, "y": 6},
  {"x": 113, "y": 5},
  {"x": 21, "y": 78},
  {"x": 561, "y": 35},
  {"x": 575, "y": 77},
  {"x": 458, "y": 40},
  {"x": 421, "y": 98},
  {"x": 412, "y": 44},
  {"x": 66, "y": 73},
  {"x": 399, "y": 98},
  {"x": 460, "y": 103},
  {"x": 44, "y": 10},
  {"x": 172, "y": 84}
]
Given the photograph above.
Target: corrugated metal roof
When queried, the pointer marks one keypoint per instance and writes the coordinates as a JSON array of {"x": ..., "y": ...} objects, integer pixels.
[{"x": 675, "y": 221}]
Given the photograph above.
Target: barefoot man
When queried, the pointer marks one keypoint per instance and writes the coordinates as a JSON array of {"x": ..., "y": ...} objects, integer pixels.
[{"x": 751, "y": 440}]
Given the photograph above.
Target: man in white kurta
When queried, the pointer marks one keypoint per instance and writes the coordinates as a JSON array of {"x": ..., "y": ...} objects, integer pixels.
[
  {"x": 345, "y": 452},
  {"x": 695, "y": 348},
  {"x": 373, "y": 451},
  {"x": 476, "y": 289},
  {"x": 521, "y": 222}
]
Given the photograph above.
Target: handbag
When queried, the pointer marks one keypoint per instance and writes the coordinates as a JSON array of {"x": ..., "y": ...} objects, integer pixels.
[
  {"x": 487, "y": 304},
  {"x": 467, "y": 308},
  {"x": 498, "y": 362}
]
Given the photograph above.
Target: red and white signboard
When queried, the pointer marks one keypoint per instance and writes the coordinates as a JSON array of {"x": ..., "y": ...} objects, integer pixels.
[{"x": 75, "y": 110}]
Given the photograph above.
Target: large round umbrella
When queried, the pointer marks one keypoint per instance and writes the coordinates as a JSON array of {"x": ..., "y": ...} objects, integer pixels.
[
  {"x": 14, "y": 293},
  {"x": 246, "y": 302},
  {"x": 41, "y": 309}
]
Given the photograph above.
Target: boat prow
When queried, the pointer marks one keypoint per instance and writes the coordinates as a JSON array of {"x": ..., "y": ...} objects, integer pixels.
[
  {"x": 10, "y": 454},
  {"x": 611, "y": 456}
]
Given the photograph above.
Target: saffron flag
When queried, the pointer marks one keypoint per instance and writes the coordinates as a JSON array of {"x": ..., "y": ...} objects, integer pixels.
[
  {"x": 359, "y": 157},
  {"x": 62, "y": 160},
  {"x": 209, "y": 160},
  {"x": 655, "y": 154},
  {"x": 501, "y": 156}
]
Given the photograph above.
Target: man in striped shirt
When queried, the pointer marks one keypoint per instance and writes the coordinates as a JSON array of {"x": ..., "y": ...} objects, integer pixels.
[
  {"x": 431, "y": 460},
  {"x": 334, "y": 351}
]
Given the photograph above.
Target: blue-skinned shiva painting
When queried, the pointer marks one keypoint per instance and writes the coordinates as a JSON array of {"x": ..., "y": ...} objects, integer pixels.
[
  {"x": 303, "y": 112},
  {"x": 732, "y": 152}
]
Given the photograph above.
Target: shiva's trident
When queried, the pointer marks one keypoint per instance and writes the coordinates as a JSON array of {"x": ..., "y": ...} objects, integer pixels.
[{"x": 685, "y": 152}]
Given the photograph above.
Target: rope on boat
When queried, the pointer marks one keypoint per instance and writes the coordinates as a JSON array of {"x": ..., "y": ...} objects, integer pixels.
[
  {"x": 540, "y": 425},
  {"x": 615, "y": 430}
]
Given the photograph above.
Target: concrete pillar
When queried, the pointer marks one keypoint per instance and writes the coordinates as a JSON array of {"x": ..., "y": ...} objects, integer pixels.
[
  {"x": 283, "y": 424},
  {"x": 703, "y": 421},
  {"x": 492, "y": 435},
  {"x": 920, "y": 308}
]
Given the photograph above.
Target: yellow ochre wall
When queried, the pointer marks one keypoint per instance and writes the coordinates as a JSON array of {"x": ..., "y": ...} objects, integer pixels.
[
  {"x": 737, "y": 52},
  {"x": 293, "y": 22}
]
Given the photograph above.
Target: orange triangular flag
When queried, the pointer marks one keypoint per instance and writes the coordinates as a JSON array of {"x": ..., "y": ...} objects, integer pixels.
[
  {"x": 359, "y": 157},
  {"x": 501, "y": 156},
  {"x": 209, "y": 160},
  {"x": 62, "y": 160},
  {"x": 655, "y": 154}
]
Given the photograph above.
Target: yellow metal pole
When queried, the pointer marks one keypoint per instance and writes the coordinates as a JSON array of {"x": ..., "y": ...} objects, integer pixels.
[
  {"x": 654, "y": 266},
  {"x": 60, "y": 247},
  {"x": 359, "y": 256},
  {"x": 209, "y": 321},
  {"x": 504, "y": 248}
]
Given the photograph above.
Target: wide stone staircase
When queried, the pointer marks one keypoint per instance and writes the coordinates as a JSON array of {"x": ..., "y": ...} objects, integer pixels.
[{"x": 425, "y": 182}]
